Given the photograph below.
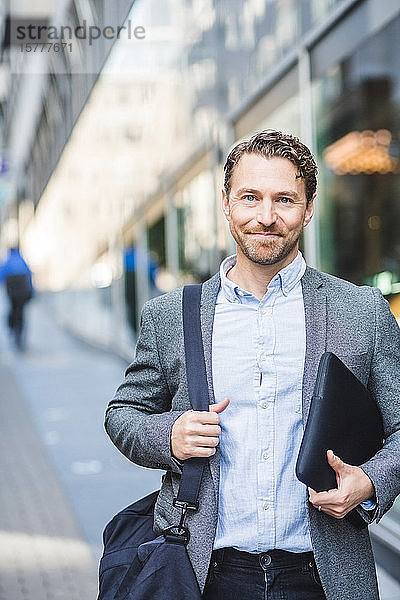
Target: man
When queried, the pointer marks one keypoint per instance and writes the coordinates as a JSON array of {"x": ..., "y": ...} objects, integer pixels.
[
  {"x": 266, "y": 321},
  {"x": 17, "y": 276}
]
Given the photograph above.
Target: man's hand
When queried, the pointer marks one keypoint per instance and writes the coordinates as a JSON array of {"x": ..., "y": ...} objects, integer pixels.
[
  {"x": 354, "y": 486},
  {"x": 196, "y": 432}
]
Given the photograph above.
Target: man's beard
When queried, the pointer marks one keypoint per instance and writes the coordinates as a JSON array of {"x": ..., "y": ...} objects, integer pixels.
[{"x": 266, "y": 252}]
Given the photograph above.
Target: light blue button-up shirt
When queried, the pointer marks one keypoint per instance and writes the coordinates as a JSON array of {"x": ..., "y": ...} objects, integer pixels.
[{"x": 258, "y": 363}]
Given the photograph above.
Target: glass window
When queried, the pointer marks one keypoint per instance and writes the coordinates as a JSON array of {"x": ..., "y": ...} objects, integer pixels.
[
  {"x": 285, "y": 118},
  {"x": 315, "y": 11},
  {"x": 156, "y": 259},
  {"x": 142, "y": 266},
  {"x": 130, "y": 286},
  {"x": 197, "y": 228},
  {"x": 279, "y": 108},
  {"x": 357, "y": 125},
  {"x": 156, "y": 241}
]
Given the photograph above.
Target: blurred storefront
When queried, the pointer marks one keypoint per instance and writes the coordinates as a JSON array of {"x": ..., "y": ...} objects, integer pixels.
[
  {"x": 356, "y": 100},
  {"x": 322, "y": 70},
  {"x": 133, "y": 207},
  {"x": 141, "y": 172}
]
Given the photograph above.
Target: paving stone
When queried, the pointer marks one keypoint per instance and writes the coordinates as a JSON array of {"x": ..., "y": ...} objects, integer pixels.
[{"x": 42, "y": 553}]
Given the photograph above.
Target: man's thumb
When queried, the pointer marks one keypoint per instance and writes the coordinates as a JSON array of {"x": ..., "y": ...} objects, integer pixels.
[
  {"x": 335, "y": 462},
  {"x": 219, "y": 406}
]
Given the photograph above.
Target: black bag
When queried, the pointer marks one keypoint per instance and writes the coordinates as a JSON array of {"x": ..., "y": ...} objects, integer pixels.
[
  {"x": 137, "y": 565},
  {"x": 343, "y": 417}
]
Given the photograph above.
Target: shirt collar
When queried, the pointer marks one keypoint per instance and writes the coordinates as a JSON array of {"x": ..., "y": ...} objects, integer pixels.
[{"x": 285, "y": 280}]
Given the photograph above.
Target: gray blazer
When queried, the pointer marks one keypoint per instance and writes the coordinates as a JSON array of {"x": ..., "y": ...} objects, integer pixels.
[{"x": 353, "y": 322}]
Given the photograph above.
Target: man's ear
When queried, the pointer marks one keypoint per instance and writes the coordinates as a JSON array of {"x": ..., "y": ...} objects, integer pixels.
[
  {"x": 309, "y": 211},
  {"x": 225, "y": 205}
]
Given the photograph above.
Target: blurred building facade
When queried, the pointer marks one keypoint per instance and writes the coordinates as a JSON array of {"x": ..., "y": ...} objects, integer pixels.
[
  {"x": 44, "y": 87},
  {"x": 114, "y": 180},
  {"x": 129, "y": 163}
]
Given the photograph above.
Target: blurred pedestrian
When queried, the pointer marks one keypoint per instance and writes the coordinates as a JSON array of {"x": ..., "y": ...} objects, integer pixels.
[
  {"x": 266, "y": 320},
  {"x": 17, "y": 278}
]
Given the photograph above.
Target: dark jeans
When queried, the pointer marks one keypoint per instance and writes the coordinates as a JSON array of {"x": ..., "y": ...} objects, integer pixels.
[{"x": 273, "y": 575}]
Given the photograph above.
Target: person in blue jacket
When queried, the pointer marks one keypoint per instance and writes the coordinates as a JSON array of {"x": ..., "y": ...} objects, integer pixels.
[{"x": 17, "y": 277}]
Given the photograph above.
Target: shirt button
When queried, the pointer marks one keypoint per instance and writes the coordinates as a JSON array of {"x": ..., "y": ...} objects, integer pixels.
[
  {"x": 241, "y": 293},
  {"x": 264, "y": 404},
  {"x": 265, "y": 455},
  {"x": 262, "y": 356},
  {"x": 266, "y": 506}
]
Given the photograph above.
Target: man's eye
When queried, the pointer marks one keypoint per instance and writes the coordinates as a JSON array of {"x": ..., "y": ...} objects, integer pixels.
[
  {"x": 249, "y": 198},
  {"x": 285, "y": 200}
]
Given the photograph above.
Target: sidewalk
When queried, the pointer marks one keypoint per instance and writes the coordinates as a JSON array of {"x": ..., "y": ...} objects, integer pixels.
[
  {"x": 61, "y": 478},
  {"x": 42, "y": 554}
]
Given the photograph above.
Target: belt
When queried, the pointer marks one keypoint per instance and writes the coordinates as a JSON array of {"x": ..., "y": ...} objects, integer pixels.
[{"x": 272, "y": 559}]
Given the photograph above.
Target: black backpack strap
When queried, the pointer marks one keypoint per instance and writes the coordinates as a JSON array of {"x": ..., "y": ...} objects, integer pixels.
[{"x": 196, "y": 374}]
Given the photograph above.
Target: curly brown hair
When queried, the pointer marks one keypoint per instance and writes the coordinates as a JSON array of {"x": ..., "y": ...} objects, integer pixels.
[{"x": 270, "y": 143}]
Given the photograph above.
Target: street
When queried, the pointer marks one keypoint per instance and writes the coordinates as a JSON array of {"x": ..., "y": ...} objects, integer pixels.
[{"x": 62, "y": 479}]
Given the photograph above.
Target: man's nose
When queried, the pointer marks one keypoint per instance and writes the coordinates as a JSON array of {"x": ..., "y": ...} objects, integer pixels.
[{"x": 266, "y": 213}]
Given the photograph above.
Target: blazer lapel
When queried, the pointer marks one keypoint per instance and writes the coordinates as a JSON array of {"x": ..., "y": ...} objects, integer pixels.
[
  {"x": 207, "y": 310},
  {"x": 314, "y": 297}
]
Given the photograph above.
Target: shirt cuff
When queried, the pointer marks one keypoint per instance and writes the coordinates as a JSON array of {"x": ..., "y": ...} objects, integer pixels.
[{"x": 368, "y": 504}]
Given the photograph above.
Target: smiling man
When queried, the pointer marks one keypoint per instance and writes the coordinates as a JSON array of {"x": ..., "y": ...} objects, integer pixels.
[
  {"x": 266, "y": 206},
  {"x": 266, "y": 320}
]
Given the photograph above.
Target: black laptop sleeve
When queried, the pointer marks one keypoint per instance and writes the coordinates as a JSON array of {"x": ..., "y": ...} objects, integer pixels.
[{"x": 344, "y": 418}]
